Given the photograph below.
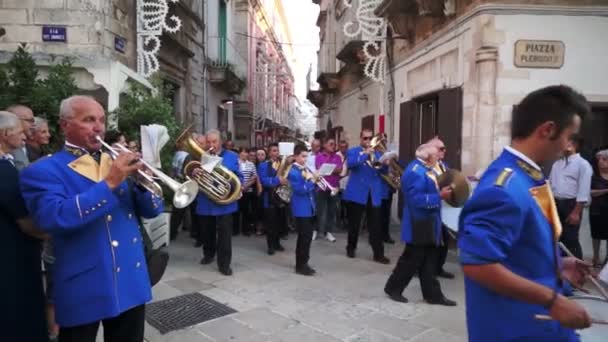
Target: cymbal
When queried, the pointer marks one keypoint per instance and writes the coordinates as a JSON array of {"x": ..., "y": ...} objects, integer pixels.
[{"x": 461, "y": 189}]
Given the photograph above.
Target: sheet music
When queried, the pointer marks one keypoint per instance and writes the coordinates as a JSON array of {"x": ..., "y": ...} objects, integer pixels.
[
  {"x": 387, "y": 156},
  {"x": 286, "y": 148},
  {"x": 153, "y": 139},
  {"x": 326, "y": 169},
  {"x": 209, "y": 162}
]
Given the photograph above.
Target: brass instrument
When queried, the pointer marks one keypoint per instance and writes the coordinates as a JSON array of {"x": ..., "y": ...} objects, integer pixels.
[
  {"x": 221, "y": 185},
  {"x": 395, "y": 170},
  {"x": 282, "y": 193},
  {"x": 319, "y": 181},
  {"x": 184, "y": 193},
  {"x": 461, "y": 190}
]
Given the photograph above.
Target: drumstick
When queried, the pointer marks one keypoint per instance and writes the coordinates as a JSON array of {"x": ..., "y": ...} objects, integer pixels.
[
  {"x": 594, "y": 281},
  {"x": 549, "y": 318}
]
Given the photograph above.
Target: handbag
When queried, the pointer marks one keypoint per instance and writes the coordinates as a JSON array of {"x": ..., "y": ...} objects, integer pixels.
[{"x": 156, "y": 259}]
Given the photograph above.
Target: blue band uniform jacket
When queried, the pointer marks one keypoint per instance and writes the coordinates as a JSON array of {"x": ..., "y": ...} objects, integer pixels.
[
  {"x": 511, "y": 219},
  {"x": 205, "y": 206},
  {"x": 100, "y": 267},
  {"x": 421, "y": 223},
  {"x": 269, "y": 179},
  {"x": 302, "y": 199},
  {"x": 364, "y": 179}
]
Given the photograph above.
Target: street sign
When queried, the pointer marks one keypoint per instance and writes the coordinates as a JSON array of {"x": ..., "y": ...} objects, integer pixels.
[
  {"x": 120, "y": 44},
  {"x": 54, "y": 34}
]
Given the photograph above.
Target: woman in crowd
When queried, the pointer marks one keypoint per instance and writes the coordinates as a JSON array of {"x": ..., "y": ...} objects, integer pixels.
[
  {"x": 39, "y": 140},
  {"x": 598, "y": 213},
  {"x": 23, "y": 303}
]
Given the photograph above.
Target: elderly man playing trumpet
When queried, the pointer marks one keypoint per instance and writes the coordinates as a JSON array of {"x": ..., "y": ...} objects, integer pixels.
[{"x": 83, "y": 199}]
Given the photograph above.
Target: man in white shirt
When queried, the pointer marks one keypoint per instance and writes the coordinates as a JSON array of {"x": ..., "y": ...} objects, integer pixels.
[{"x": 571, "y": 185}]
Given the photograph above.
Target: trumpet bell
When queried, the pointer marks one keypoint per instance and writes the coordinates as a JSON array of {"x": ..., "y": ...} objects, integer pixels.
[
  {"x": 461, "y": 190},
  {"x": 185, "y": 194}
]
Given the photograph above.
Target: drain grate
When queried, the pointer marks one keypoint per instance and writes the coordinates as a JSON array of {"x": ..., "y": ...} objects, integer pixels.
[{"x": 184, "y": 311}]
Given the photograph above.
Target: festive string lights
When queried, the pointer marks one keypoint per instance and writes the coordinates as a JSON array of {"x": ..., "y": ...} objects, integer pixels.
[{"x": 152, "y": 21}]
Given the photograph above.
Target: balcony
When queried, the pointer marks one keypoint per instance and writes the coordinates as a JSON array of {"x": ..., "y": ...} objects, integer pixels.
[
  {"x": 412, "y": 7},
  {"x": 352, "y": 52},
  {"x": 329, "y": 82},
  {"x": 316, "y": 97},
  {"x": 321, "y": 19},
  {"x": 227, "y": 69},
  {"x": 409, "y": 16}
]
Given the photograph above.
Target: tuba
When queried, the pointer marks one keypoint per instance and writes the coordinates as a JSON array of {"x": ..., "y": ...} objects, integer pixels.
[
  {"x": 282, "y": 193},
  {"x": 221, "y": 185},
  {"x": 395, "y": 171}
]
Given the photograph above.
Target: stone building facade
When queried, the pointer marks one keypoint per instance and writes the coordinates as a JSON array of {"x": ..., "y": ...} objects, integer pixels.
[
  {"x": 101, "y": 36},
  {"x": 456, "y": 68}
]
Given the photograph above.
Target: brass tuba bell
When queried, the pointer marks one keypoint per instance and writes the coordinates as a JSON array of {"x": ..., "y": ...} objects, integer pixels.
[{"x": 221, "y": 185}]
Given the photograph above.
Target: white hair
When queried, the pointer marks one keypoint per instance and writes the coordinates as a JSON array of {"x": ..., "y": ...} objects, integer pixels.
[
  {"x": 38, "y": 122},
  {"x": 602, "y": 154},
  {"x": 425, "y": 151},
  {"x": 8, "y": 120},
  {"x": 66, "y": 108},
  {"x": 214, "y": 131}
]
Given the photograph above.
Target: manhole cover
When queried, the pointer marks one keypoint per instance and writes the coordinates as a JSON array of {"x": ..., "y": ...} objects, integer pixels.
[{"x": 184, "y": 311}]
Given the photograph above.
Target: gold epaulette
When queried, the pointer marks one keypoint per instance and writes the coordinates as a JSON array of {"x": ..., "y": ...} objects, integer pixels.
[
  {"x": 504, "y": 176},
  {"x": 530, "y": 170}
]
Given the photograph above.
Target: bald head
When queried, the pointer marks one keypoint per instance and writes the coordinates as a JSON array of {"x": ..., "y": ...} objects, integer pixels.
[
  {"x": 438, "y": 143},
  {"x": 214, "y": 139},
  {"x": 25, "y": 115},
  {"x": 82, "y": 119},
  {"x": 428, "y": 153}
]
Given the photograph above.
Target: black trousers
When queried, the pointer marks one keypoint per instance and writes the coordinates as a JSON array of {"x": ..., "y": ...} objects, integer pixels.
[
  {"x": 178, "y": 217},
  {"x": 127, "y": 327},
  {"x": 443, "y": 249},
  {"x": 217, "y": 237},
  {"x": 421, "y": 260},
  {"x": 570, "y": 231},
  {"x": 355, "y": 211},
  {"x": 282, "y": 221},
  {"x": 304, "y": 228},
  {"x": 385, "y": 217},
  {"x": 271, "y": 225},
  {"x": 246, "y": 220}
]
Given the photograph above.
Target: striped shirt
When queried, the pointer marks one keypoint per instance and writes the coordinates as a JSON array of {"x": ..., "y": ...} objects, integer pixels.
[{"x": 247, "y": 168}]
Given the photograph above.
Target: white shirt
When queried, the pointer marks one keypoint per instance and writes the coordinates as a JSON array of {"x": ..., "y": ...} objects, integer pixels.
[
  {"x": 571, "y": 178},
  {"x": 344, "y": 173},
  {"x": 523, "y": 157}
]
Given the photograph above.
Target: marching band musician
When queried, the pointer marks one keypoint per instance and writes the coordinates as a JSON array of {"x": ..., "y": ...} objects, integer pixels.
[
  {"x": 420, "y": 230},
  {"x": 510, "y": 228},
  {"x": 267, "y": 171},
  {"x": 303, "y": 208},
  {"x": 81, "y": 197},
  {"x": 364, "y": 192},
  {"x": 215, "y": 220},
  {"x": 440, "y": 168}
]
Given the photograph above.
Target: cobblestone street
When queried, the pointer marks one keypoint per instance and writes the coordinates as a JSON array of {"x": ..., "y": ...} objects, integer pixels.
[{"x": 343, "y": 302}]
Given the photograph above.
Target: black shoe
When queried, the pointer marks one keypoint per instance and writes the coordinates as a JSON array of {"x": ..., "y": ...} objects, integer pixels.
[
  {"x": 305, "y": 270},
  {"x": 446, "y": 275},
  {"x": 227, "y": 271},
  {"x": 270, "y": 251},
  {"x": 206, "y": 261},
  {"x": 198, "y": 244},
  {"x": 382, "y": 260},
  {"x": 350, "y": 253},
  {"x": 443, "y": 301},
  {"x": 397, "y": 297},
  {"x": 389, "y": 240},
  {"x": 279, "y": 248}
]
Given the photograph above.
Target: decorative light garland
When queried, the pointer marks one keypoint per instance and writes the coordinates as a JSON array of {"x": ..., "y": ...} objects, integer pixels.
[
  {"x": 373, "y": 31},
  {"x": 151, "y": 22}
]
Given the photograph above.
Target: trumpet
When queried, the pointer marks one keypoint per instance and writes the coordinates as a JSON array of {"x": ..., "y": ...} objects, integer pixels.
[
  {"x": 320, "y": 182},
  {"x": 184, "y": 193}
]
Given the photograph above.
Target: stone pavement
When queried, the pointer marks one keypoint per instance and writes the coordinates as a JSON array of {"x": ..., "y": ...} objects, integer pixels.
[{"x": 343, "y": 302}]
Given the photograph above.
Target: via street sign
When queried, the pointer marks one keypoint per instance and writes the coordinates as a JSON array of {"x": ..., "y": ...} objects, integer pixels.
[{"x": 54, "y": 34}]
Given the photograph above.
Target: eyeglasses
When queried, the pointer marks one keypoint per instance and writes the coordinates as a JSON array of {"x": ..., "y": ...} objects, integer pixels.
[
  {"x": 366, "y": 138},
  {"x": 31, "y": 120}
]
